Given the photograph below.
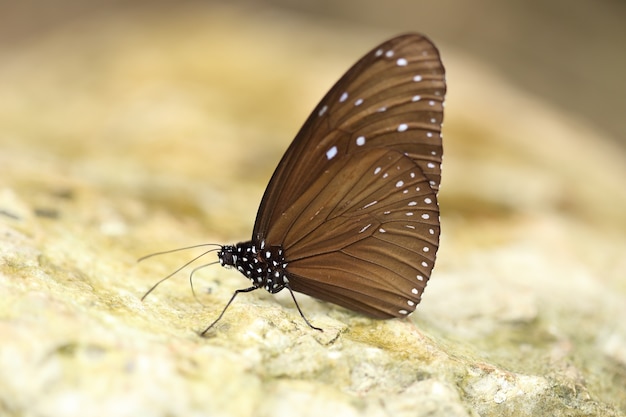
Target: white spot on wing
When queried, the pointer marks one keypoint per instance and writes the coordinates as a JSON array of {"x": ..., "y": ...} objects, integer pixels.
[
  {"x": 425, "y": 216},
  {"x": 377, "y": 170},
  {"x": 399, "y": 184},
  {"x": 401, "y": 62},
  {"x": 343, "y": 97},
  {"x": 331, "y": 153},
  {"x": 365, "y": 228},
  {"x": 416, "y": 98},
  {"x": 417, "y": 78},
  {"x": 389, "y": 53},
  {"x": 370, "y": 204},
  {"x": 360, "y": 141},
  {"x": 322, "y": 111},
  {"x": 402, "y": 127},
  {"x": 358, "y": 102}
]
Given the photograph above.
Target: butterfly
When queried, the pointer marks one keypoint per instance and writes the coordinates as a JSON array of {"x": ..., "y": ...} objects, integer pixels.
[{"x": 350, "y": 215}]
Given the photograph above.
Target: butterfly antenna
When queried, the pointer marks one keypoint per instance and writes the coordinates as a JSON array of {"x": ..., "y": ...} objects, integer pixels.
[
  {"x": 178, "y": 269},
  {"x": 143, "y": 258}
]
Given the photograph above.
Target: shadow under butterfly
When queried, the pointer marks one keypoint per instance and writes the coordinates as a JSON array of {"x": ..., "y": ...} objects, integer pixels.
[{"x": 350, "y": 215}]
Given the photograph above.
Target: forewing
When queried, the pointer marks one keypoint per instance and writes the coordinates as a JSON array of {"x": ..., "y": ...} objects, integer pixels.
[{"x": 391, "y": 99}]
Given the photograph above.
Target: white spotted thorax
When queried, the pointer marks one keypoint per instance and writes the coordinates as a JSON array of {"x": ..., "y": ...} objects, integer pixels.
[
  {"x": 351, "y": 215},
  {"x": 264, "y": 266}
]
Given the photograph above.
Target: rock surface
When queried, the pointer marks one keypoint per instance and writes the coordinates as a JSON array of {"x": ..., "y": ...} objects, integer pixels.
[{"x": 129, "y": 134}]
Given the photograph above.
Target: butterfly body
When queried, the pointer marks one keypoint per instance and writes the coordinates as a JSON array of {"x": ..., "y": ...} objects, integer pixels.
[{"x": 264, "y": 266}]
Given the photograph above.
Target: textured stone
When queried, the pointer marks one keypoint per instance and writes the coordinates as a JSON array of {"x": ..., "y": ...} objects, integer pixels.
[{"x": 128, "y": 134}]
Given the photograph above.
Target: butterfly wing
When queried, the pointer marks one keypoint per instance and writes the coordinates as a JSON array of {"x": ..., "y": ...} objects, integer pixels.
[{"x": 353, "y": 200}]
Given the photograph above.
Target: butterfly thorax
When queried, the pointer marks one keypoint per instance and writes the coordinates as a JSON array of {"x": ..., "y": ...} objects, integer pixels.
[{"x": 264, "y": 266}]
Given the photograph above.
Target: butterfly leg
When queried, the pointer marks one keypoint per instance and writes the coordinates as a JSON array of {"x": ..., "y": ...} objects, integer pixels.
[
  {"x": 300, "y": 311},
  {"x": 228, "y": 304}
]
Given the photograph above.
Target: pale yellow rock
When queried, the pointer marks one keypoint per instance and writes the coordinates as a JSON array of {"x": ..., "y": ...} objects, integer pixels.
[{"x": 128, "y": 134}]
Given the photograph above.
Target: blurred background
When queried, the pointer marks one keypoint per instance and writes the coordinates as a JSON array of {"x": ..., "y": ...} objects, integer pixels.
[
  {"x": 187, "y": 106},
  {"x": 571, "y": 53},
  {"x": 131, "y": 127}
]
